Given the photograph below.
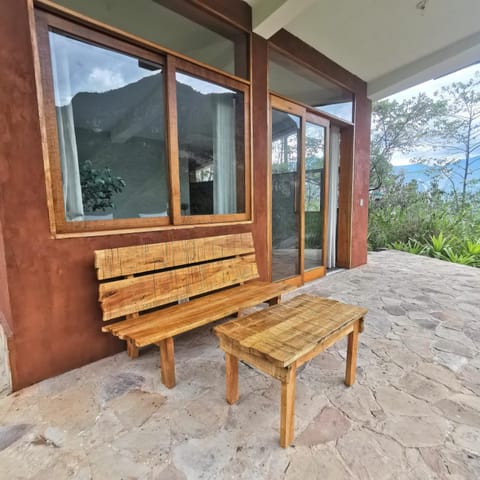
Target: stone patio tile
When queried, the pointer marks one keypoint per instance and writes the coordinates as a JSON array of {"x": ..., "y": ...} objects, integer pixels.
[
  {"x": 358, "y": 403},
  {"x": 395, "y": 402},
  {"x": 450, "y": 464},
  {"x": 420, "y": 387},
  {"x": 322, "y": 462},
  {"x": 467, "y": 438},
  {"x": 371, "y": 455},
  {"x": 415, "y": 432},
  {"x": 330, "y": 425},
  {"x": 458, "y": 412}
]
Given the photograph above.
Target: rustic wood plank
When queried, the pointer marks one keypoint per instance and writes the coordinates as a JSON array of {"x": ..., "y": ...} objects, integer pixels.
[
  {"x": 118, "y": 262},
  {"x": 231, "y": 374},
  {"x": 170, "y": 321},
  {"x": 130, "y": 295},
  {"x": 167, "y": 362},
  {"x": 287, "y": 408},
  {"x": 352, "y": 355},
  {"x": 257, "y": 361}
]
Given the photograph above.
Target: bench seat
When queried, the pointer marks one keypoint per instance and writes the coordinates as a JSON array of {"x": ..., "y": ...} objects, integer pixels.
[{"x": 153, "y": 327}]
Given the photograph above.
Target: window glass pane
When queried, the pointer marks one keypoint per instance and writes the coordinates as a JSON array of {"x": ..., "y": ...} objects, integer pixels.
[
  {"x": 343, "y": 110},
  {"x": 298, "y": 83},
  {"x": 111, "y": 132},
  {"x": 211, "y": 147},
  {"x": 314, "y": 194},
  {"x": 193, "y": 32}
]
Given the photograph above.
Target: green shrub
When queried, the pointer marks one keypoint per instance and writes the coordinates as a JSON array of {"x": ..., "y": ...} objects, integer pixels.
[{"x": 425, "y": 223}]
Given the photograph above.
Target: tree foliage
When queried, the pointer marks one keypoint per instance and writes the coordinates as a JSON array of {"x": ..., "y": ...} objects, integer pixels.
[
  {"x": 397, "y": 127},
  {"x": 98, "y": 187},
  {"x": 454, "y": 136},
  {"x": 428, "y": 221}
]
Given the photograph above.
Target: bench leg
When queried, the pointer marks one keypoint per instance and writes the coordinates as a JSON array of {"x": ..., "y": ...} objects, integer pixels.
[
  {"x": 287, "y": 408},
  {"x": 167, "y": 362},
  {"x": 132, "y": 350},
  {"x": 352, "y": 355},
  {"x": 231, "y": 371},
  {"x": 274, "y": 301}
]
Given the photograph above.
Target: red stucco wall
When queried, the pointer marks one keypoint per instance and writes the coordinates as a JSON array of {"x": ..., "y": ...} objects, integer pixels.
[{"x": 49, "y": 288}]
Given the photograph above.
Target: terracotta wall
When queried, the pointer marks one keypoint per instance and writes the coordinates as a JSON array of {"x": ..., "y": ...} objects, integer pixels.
[
  {"x": 49, "y": 288},
  {"x": 361, "y": 175}
]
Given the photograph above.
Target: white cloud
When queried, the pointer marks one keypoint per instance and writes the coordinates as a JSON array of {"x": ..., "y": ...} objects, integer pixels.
[{"x": 103, "y": 79}]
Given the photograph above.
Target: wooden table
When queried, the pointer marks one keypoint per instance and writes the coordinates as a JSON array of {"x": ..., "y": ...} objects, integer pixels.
[{"x": 279, "y": 339}]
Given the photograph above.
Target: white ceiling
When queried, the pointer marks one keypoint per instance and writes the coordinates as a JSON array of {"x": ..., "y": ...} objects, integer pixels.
[{"x": 391, "y": 44}]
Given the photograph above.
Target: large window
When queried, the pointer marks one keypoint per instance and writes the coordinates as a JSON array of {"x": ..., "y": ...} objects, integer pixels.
[{"x": 142, "y": 138}]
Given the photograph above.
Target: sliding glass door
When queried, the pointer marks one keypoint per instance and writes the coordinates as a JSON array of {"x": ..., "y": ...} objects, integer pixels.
[{"x": 298, "y": 192}]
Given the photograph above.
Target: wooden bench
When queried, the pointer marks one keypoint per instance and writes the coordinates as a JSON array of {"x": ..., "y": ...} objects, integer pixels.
[
  {"x": 165, "y": 289},
  {"x": 281, "y": 338}
]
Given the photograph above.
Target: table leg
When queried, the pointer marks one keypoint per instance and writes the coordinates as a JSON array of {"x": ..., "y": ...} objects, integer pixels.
[
  {"x": 231, "y": 370},
  {"x": 352, "y": 355},
  {"x": 361, "y": 325},
  {"x": 167, "y": 362},
  {"x": 287, "y": 409}
]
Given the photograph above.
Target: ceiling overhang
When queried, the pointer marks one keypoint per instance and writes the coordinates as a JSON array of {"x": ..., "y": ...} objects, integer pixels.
[{"x": 391, "y": 45}]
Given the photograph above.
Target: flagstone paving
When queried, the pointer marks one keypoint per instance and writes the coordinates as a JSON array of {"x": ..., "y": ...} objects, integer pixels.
[{"x": 414, "y": 412}]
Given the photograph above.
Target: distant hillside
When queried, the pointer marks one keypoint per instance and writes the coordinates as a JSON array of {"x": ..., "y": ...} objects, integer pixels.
[{"x": 420, "y": 173}]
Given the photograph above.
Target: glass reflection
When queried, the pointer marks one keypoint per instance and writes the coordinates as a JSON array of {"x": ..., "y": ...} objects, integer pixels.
[
  {"x": 314, "y": 194},
  {"x": 110, "y": 120},
  {"x": 285, "y": 212},
  {"x": 211, "y": 147}
]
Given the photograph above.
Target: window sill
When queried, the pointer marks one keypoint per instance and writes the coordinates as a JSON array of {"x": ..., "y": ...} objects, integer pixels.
[{"x": 127, "y": 231}]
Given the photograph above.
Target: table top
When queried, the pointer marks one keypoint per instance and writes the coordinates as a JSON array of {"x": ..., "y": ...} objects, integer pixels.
[{"x": 287, "y": 331}]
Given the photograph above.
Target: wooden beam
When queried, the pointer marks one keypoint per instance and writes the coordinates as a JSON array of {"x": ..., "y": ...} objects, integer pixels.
[{"x": 269, "y": 16}]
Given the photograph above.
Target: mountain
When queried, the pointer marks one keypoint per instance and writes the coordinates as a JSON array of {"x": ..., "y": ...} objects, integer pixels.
[{"x": 421, "y": 174}]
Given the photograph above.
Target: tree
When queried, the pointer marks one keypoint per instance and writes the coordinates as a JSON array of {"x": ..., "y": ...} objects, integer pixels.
[
  {"x": 98, "y": 187},
  {"x": 456, "y": 135},
  {"x": 397, "y": 127}
]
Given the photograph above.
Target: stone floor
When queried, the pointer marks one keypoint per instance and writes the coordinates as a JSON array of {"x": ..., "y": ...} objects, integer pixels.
[{"x": 414, "y": 412}]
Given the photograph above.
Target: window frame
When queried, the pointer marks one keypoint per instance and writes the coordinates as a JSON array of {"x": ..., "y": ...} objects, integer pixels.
[
  {"x": 170, "y": 63},
  {"x": 178, "y": 65}
]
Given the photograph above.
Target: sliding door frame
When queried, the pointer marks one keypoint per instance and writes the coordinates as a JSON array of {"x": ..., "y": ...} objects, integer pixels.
[{"x": 306, "y": 115}]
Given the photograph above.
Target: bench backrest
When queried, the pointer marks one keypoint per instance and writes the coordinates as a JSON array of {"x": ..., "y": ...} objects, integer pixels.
[{"x": 138, "y": 278}]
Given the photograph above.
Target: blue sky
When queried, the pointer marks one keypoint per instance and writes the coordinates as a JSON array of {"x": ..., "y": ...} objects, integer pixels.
[{"x": 430, "y": 88}]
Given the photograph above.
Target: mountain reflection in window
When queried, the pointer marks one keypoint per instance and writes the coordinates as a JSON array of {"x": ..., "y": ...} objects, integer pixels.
[
  {"x": 211, "y": 147},
  {"x": 111, "y": 132}
]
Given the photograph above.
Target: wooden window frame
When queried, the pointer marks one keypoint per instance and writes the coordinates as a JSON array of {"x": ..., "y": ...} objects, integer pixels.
[
  {"x": 179, "y": 65},
  {"x": 170, "y": 63}
]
